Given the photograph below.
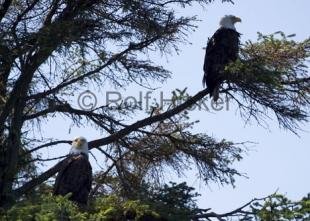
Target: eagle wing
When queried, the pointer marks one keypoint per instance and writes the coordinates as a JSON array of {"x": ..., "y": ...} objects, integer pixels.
[
  {"x": 75, "y": 178},
  {"x": 221, "y": 49}
]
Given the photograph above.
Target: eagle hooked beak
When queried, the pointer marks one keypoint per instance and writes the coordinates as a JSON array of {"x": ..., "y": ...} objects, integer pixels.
[
  {"x": 78, "y": 143},
  {"x": 237, "y": 19}
]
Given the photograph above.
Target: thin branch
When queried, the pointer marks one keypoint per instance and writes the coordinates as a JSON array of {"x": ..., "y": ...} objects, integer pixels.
[
  {"x": 114, "y": 137},
  {"x": 41, "y": 178},
  {"x": 4, "y": 8},
  {"x": 53, "y": 143},
  {"x": 114, "y": 58},
  {"x": 148, "y": 121},
  {"x": 231, "y": 213}
]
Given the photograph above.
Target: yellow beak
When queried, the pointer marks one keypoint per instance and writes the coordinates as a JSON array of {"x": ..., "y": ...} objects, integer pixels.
[
  {"x": 237, "y": 19},
  {"x": 78, "y": 144}
]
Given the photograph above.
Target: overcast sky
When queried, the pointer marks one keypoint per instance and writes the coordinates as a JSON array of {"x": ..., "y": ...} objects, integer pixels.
[{"x": 280, "y": 159}]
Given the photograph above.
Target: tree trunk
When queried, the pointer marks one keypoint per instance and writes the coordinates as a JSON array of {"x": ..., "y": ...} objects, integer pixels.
[{"x": 9, "y": 157}]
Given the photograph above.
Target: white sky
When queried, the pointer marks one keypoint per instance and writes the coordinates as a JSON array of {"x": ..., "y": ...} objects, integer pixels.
[{"x": 279, "y": 160}]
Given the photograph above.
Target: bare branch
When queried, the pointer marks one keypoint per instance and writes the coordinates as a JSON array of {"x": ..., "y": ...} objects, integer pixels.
[
  {"x": 4, "y": 8},
  {"x": 104, "y": 141}
]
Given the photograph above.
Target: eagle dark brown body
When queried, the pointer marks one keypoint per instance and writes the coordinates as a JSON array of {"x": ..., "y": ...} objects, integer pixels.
[
  {"x": 222, "y": 49},
  {"x": 75, "y": 178}
]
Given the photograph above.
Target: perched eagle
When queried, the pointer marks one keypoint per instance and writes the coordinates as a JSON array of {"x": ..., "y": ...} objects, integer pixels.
[
  {"x": 221, "y": 49},
  {"x": 76, "y": 177}
]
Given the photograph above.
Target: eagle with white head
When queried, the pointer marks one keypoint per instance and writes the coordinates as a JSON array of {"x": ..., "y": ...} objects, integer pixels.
[
  {"x": 76, "y": 176},
  {"x": 79, "y": 146},
  {"x": 222, "y": 48}
]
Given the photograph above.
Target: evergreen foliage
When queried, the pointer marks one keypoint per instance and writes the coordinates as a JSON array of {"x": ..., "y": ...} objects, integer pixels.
[{"x": 50, "y": 50}]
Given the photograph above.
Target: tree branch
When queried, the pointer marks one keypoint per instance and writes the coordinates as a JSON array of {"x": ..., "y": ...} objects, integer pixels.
[
  {"x": 148, "y": 121},
  {"x": 4, "y": 8},
  {"x": 116, "y": 57},
  {"x": 41, "y": 178},
  {"x": 53, "y": 143},
  {"x": 234, "y": 212},
  {"x": 114, "y": 137}
]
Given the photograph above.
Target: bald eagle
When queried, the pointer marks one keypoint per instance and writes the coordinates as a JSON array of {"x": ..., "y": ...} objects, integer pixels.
[
  {"x": 222, "y": 48},
  {"x": 76, "y": 177}
]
